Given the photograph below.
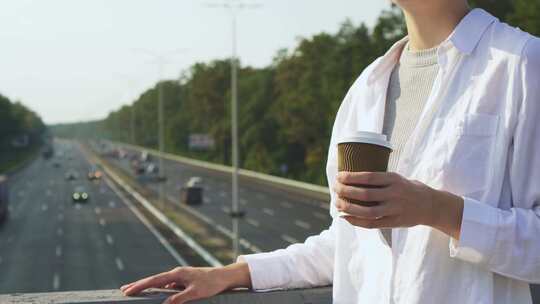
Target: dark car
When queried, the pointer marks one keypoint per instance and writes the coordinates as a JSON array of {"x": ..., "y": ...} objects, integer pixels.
[
  {"x": 138, "y": 167},
  {"x": 3, "y": 198},
  {"x": 192, "y": 192},
  {"x": 80, "y": 195},
  {"x": 71, "y": 175}
]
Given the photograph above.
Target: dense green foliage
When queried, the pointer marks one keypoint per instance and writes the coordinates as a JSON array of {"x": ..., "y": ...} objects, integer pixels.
[
  {"x": 286, "y": 109},
  {"x": 21, "y": 131}
]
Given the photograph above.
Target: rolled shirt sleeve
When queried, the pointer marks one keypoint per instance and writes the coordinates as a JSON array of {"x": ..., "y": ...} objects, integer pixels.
[
  {"x": 507, "y": 242},
  {"x": 303, "y": 265}
]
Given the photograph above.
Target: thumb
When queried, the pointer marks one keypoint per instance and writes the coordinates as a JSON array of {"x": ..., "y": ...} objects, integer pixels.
[{"x": 182, "y": 297}]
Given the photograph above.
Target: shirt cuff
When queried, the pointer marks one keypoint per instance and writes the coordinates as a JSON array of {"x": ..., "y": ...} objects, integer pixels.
[
  {"x": 268, "y": 270},
  {"x": 478, "y": 233}
]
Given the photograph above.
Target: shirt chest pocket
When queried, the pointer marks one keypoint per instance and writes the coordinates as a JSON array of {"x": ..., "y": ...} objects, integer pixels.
[{"x": 470, "y": 141}]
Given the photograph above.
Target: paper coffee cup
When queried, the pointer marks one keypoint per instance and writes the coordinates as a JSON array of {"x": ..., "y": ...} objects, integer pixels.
[{"x": 363, "y": 152}]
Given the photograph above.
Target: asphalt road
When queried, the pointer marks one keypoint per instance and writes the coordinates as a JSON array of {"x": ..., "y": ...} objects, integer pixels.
[
  {"x": 50, "y": 244},
  {"x": 274, "y": 219}
]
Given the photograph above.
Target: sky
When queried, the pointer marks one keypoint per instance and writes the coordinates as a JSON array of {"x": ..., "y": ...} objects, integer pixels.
[{"x": 77, "y": 60}]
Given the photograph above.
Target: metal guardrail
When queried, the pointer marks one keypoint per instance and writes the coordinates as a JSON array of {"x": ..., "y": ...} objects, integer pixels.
[
  {"x": 301, "y": 188},
  {"x": 299, "y": 296}
]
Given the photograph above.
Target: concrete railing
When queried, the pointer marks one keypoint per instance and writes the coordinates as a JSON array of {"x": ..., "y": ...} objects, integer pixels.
[
  {"x": 304, "y": 189},
  {"x": 300, "y": 296}
]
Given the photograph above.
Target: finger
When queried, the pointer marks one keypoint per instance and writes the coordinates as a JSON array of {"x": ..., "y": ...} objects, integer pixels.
[
  {"x": 368, "y": 178},
  {"x": 124, "y": 287},
  {"x": 385, "y": 222},
  {"x": 172, "y": 286},
  {"x": 157, "y": 280},
  {"x": 366, "y": 212},
  {"x": 362, "y": 194},
  {"x": 182, "y": 297}
]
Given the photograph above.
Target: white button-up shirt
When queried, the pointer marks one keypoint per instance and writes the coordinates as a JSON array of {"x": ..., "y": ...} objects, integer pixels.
[{"x": 478, "y": 137}]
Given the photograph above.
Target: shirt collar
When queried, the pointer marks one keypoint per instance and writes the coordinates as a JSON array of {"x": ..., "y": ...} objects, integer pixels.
[
  {"x": 470, "y": 30},
  {"x": 464, "y": 38}
]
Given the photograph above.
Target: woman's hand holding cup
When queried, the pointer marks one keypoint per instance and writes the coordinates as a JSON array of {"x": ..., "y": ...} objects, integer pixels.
[{"x": 398, "y": 202}]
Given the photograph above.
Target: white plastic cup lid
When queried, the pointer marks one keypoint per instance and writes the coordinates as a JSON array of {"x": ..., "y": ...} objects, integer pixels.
[{"x": 364, "y": 137}]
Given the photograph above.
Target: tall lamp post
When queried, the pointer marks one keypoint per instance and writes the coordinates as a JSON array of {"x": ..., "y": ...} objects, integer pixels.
[
  {"x": 160, "y": 59},
  {"x": 233, "y": 7}
]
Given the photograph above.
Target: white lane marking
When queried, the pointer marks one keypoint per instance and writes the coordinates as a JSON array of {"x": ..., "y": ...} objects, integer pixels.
[
  {"x": 49, "y": 192},
  {"x": 253, "y": 248},
  {"x": 60, "y": 217},
  {"x": 44, "y": 207},
  {"x": 289, "y": 239},
  {"x": 148, "y": 225},
  {"x": 59, "y": 231},
  {"x": 78, "y": 206},
  {"x": 206, "y": 200},
  {"x": 102, "y": 222},
  {"x": 110, "y": 239},
  {"x": 286, "y": 204},
  {"x": 56, "y": 281},
  {"x": 58, "y": 250},
  {"x": 253, "y": 222},
  {"x": 119, "y": 264},
  {"x": 319, "y": 215},
  {"x": 225, "y": 231},
  {"x": 97, "y": 210},
  {"x": 302, "y": 224},
  {"x": 269, "y": 211},
  {"x": 226, "y": 209},
  {"x": 112, "y": 204}
]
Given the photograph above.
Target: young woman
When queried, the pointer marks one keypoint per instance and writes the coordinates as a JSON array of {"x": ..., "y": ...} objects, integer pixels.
[{"x": 459, "y": 99}]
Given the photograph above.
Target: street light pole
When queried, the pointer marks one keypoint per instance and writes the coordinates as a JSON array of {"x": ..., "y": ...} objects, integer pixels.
[
  {"x": 233, "y": 7},
  {"x": 234, "y": 136}
]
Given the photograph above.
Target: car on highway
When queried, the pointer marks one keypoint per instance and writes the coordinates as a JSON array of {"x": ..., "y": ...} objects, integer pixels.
[
  {"x": 192, "y": 192},
  {"x": 3, "y": 199},
  {"x": 95, "y": 175},
  {"x": 80, "y": 195},
  {"x": 138, "y": 167},
  {"x": 145, "y": 156},
  {"x": 71, "y": 175}
]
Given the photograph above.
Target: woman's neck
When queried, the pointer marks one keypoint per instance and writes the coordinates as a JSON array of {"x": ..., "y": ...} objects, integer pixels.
[{"x": 429, "y": 25}]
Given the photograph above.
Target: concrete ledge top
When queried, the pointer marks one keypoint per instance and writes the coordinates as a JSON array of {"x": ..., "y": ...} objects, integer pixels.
[{"x": 154, "y": 296}]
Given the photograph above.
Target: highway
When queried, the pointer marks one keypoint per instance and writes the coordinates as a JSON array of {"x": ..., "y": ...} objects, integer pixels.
[
  {"x": 274, "y": 219},
  {"x": 50, "y": 244}
]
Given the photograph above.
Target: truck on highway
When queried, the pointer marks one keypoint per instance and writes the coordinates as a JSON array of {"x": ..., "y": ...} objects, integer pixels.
[{"x": 3, "y": 198}]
